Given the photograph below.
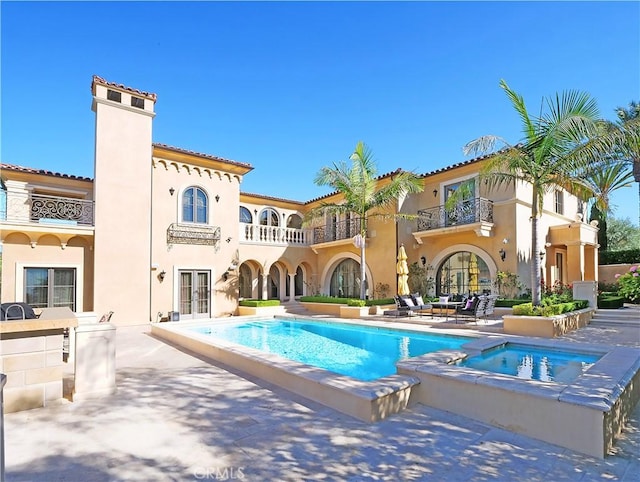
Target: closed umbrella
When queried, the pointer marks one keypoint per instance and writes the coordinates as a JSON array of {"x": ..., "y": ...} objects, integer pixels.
[
  {"x": 473, "y": 273},
  {"x": 403, "y": 272}
]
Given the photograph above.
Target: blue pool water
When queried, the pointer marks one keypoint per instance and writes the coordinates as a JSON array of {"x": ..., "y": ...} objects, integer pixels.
[
  {"x": 362, "y": 352},
  {"x": 531, "y": 363}
]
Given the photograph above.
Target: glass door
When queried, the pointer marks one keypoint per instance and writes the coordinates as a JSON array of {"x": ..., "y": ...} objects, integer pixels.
[{"x": 194, "y": 294}]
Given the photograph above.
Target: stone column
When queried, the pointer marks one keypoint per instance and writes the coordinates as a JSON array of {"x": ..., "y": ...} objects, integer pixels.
[
  {"x": 265, "y": 287},
  {"x": 292, "y": 287}
]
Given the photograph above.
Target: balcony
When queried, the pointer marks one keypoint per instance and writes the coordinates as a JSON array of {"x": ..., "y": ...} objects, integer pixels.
[
  {"x": 473, "y": 214},
  {"x": 274, "y": 235},
  {"x": 338, "y": 231},
  {"x": 27, "y": 208}
]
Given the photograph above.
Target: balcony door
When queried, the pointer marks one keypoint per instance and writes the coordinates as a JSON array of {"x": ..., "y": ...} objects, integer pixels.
[
  {"x": 463, "y": 212},
  {"x": 194, "y": 294}
]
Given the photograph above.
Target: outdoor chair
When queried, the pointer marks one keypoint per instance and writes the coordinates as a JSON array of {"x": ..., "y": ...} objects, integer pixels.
[
  {"x": 16, "y": 311},
  {"x": 474, "y": 308}
]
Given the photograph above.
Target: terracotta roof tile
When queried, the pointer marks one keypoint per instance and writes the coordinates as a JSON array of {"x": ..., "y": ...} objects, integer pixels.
[
  {"x": 31, "y": 170},
  {"x": 99, "y": 80},
  {"x": 199, "y": 154},
  {"x": 271, "y": 198}
]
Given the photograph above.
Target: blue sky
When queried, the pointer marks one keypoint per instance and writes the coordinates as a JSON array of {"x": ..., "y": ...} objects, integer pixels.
[{"x": 290, "y": 87}]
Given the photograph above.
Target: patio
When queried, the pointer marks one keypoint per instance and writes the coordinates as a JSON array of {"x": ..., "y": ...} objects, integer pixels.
[{"x": 176, "y": 417}]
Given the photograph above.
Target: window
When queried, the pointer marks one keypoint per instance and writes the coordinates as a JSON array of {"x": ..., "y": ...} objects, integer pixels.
[
  {"x": 269, "y": 217},
  {"x": 114, "y": 96},
  {"x": 559, "y": 201},
  {"x": 294, "y": 222},
  {"x": 137, "y": 102},
  {"x": 50, "y": 287},
  {"x": 194, "y": 206},
  {"x": 245, "y": 215}
]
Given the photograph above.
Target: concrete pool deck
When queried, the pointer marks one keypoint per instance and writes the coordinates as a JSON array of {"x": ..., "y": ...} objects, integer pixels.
[{"x": 177, "y": 417}]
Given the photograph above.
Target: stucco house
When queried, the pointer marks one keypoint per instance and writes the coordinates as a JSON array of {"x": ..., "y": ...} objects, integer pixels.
[{"x": 163, "y": 232}]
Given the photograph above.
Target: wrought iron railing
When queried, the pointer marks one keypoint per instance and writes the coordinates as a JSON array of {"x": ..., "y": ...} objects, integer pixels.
[
  {"x": 276, "y": 235},
  {"x": 336, "y": 231},
  {"x": 193, "y": 234},
  {"x": 38, "y": 208},
  {"x": 465, "y": 212}
]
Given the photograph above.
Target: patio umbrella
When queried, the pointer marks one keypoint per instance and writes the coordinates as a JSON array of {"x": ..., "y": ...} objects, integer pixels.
[
  {"x": 473, "y": 273},
  {"x": 403, "y": 272}
]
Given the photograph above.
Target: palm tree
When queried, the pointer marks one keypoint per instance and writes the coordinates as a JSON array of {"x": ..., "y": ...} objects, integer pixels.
[
  {"x": 603, "y": 181},
  {"x": 358, "y": 185},
  {"x": 629, "y": 124},
  {"x": 554, "y": 148}
]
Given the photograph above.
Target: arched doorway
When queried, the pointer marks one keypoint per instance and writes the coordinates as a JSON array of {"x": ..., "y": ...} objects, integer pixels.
[
  {"x": 345, "y": 279},
  {"x": 463, "y": 273}
]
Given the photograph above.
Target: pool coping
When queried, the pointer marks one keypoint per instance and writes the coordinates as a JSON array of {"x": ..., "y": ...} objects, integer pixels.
[{"x": 369, "y": 401}]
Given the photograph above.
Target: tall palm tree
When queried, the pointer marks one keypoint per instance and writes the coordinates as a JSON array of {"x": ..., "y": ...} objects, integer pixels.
[
  {"x": 603, "y": 181},
  {"x": 358, "y": 185},
  {"x": 554, "y": 148},
  {"x": 629, "y": 123}
]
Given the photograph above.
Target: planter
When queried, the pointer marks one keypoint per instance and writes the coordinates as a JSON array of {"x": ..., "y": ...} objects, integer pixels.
[
  {"x": 322, "y": 308},
  {"x": 261, "y": 310},
  {"x": 353, "y": 311},
  {"x": 547, "y": 327}
]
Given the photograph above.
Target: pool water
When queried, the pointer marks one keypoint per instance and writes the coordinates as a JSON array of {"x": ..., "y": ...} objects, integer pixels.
[
  {"x": 361, "y": 352},
  {"x": 530, "y": 363}
]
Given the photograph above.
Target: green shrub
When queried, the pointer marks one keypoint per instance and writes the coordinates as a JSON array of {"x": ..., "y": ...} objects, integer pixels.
[
  {"x": 629, "y": 284},
  {"x": 509, "y": 303},
  {"x": 359, "y": 303},
  {"x": 628, "y": 256},
  {"x": 527, "y": 309},
  {"x": 259, "y": 303},
  {"x": 325, "y": 299},
  {"x": 382, "y": 301},
  {"x": 610, "y": 301}
]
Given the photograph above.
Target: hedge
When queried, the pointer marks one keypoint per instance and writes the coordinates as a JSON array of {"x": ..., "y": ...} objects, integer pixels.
[
  {"x": 259, "y": 303},
  {"x": 611, "y": 302},
  {"x": 345, "y": 301},
  {"x": 508, "y": 303},
  {"x": 527, "y": 309},
  {"x": 628, "y": 256}
]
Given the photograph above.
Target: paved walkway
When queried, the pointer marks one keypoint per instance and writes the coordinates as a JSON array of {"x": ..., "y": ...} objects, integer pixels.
[{"x": 178, "y": 418}]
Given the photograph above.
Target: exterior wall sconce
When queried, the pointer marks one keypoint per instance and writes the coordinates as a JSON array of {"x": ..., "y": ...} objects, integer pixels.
[
  {"x": 423, "y": 260},
  {"x": 228, "y": 240},
  {"x": 503, "y": 254},
  {"x": 171, "y": 190},
  {"x": 435, "y": 192},
  {"x": 161, "y": 275},
  {"x": 217, "y": 197}
]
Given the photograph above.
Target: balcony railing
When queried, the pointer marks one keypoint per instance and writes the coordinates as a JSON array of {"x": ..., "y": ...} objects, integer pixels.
[
  {"x": 38, "y": 208},
  {"x": 336, "y": 231},
  {"x": 193, "y": 234},
  {"x": 274, "y": 235},
  {"x": 466, "y": 212}
]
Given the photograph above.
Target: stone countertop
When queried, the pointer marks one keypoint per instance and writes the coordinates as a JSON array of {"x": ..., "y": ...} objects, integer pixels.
[{"x": 36, "y": 324}]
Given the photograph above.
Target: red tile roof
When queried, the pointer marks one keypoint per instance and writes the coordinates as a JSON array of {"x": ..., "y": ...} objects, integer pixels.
[
  {"x": 99, "y": 80},
  {"x": 31, "y": 170},
  {"x": 199, "y": 154}
]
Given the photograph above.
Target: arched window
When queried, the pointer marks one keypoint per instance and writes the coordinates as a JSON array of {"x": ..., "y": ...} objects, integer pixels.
[
  {"x": 194, "y": 206},
  {"x": 463, "y": 273},
  {"x": 294, "y": 221},
  {"x": 345, "y": 280},
  {"x": 269, "y": 217},
  {"x": 245, "y": 215}
]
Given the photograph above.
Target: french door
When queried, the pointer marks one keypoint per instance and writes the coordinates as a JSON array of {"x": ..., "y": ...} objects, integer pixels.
[{"x": 194, "y": 294}]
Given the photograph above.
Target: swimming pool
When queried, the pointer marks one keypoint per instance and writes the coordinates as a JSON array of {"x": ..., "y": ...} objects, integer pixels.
[
  {"x": 362, "y": 352},
  {"x": 532, "y": 363}
]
